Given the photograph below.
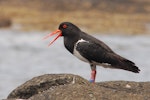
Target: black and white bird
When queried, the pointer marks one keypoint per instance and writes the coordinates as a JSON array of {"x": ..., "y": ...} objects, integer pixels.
[{"x": 91, "y": 50}]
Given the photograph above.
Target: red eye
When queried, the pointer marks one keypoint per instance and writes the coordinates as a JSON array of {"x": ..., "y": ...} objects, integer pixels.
[{"x": 65, "y": 26}]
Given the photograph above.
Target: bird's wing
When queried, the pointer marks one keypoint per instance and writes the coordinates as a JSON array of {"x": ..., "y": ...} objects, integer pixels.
[
  {"x": 94, "y": 52},
  {"x": 98, "y": 53}
]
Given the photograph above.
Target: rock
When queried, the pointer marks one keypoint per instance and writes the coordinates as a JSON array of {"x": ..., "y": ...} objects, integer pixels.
[
  {"x": 73, "y": 87},
  {"x": 5, "y": 22},
  {"x": 45, "y": 82}
]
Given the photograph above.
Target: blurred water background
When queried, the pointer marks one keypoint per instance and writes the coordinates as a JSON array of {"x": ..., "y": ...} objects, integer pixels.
[{"x": 24, "y": 55}]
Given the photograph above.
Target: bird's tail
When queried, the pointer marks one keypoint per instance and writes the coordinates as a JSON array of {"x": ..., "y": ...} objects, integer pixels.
[
  {"x": 129, "y": 65},
  {"x": 123, "y": 63}
]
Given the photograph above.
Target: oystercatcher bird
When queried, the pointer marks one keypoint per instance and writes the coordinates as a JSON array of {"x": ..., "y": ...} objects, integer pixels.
[{"x": 91, "y": 50}]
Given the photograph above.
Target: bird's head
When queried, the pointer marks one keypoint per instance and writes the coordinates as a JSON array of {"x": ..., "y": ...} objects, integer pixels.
[{"x": 65, "y": 29}]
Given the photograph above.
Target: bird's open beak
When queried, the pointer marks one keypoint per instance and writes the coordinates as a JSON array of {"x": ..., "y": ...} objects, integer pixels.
[{"x": 55, "y": 32}]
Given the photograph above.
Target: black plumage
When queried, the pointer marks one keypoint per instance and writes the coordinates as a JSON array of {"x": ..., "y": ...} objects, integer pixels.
[{"x": 92, "y": 50}]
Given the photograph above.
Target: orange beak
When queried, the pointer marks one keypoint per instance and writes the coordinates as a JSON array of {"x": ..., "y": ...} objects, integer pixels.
[{"x": 53, "y": 33}]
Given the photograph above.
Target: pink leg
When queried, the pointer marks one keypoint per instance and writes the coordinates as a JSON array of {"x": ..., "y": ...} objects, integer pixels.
[{"x": 93, "y": 76}]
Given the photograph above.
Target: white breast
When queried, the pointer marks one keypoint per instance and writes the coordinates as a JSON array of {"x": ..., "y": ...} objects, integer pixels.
[{"x": 77, "y": 53}]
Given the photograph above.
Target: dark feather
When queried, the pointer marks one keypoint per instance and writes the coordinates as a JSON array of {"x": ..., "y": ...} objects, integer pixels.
[{"x": 101, "y": 53}]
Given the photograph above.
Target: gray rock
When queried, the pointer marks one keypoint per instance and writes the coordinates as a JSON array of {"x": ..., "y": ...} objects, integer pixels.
[
  {"x": 45, "y": 82},
  {"x": 73, "y": 87}
]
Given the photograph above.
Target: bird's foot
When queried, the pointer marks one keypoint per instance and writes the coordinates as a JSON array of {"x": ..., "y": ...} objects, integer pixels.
[{"x": 92, "y": 81}]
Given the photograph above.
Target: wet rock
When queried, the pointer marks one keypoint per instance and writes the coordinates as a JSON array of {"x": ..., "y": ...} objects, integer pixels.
[
  {"x": 5, "y": 22},
  {"x": 73, "y": 87}
]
